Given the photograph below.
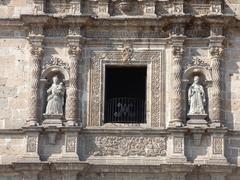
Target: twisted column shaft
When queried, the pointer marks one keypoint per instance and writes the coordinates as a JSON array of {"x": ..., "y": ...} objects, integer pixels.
[{"x": 72, "y": 113}]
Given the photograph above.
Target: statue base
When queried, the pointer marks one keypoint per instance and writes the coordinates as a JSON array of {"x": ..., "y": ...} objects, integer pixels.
[
  {"x": 197, "y": 120},
  {"x": 52, "y": 120}
]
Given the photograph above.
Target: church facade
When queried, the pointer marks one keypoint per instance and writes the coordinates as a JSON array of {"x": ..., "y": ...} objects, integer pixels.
[{"x": 119, "y": 90}]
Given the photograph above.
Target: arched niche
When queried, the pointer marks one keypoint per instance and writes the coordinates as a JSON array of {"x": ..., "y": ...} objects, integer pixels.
[
  {"x": 46, "y": 81},
  {"x": 205, "y": 79}
]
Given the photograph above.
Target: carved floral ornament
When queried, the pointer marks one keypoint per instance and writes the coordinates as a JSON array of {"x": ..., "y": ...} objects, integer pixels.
[
  {"x": 197, "y": 62},
  {"x": 36, "y": 51},
  {"x": 216, "y": 51},
  {"x": 127, "y": 54},
  {"x": 55, "y": 61},
  {"x": 74, "y": 50},
  {"x": 177, "y": 50}
]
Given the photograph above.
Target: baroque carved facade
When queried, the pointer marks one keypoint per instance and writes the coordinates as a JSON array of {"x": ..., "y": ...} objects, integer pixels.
[{"x": 170, "y": 41}]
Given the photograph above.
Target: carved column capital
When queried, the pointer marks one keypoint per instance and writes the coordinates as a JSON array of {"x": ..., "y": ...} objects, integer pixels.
[
  {"x": 216, "y": 52},
  {"x": 74, "y": 50},
  {"x": 36, "y": 51},
  {"x": 177, "y": 51}
]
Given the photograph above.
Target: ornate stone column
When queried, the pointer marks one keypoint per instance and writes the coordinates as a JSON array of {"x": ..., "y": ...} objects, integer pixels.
[
  {"x": 216, "y": 55},
  {"x": 176, "y": 76},
  {"x": 36, "y": 40},
  {"x": 74, "y": 51}
]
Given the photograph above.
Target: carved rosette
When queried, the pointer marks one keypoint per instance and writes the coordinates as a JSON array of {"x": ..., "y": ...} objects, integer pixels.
[
  {"x": 215, "y": 100},
  {"x": 176, "y": 101},
  {"x": 72, "y": 92}
]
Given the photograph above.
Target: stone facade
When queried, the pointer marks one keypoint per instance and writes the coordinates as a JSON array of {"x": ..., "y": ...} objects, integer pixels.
[{"x": 77, "y": 40}]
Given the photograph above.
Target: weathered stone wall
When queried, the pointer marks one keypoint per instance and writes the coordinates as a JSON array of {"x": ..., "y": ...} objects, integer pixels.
[{"x": 173, "y": 39}]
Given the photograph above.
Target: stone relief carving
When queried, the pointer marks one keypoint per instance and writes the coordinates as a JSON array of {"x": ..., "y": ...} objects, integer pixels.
[
  {"x": 32, "y": 143},
  {"x": 178, "y": 144},
  {"x": 55, "y": 61},
  {"x": 217, "y": 145},
  {"x": 100, "y": 58},
  {"x": 126, "y": 146},
  {"x": 197, "y": 62},
  {"x": 71, "y": 143},
  {"x": 196, "y": 97},
  {"x": 127, "y": 53},
  {"x": 59, "y": 6},
  {"x": 55, "y": 99}
]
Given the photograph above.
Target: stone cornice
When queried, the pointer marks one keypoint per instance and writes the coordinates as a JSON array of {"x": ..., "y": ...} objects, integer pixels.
[{"x": 85, "y": 167}]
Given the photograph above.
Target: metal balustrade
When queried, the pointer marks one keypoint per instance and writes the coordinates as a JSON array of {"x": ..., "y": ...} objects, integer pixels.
[{"x": 125, "y": 110}]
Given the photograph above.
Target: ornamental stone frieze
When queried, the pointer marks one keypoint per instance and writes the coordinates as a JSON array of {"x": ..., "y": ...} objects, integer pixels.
[{"x": 125, "y": 146}]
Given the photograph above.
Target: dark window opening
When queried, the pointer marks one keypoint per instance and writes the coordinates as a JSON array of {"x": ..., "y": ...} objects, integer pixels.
[{"x": 125, "y": 94}]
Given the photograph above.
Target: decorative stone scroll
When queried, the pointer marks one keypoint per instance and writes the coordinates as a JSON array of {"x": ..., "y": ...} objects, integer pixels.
[
  {"x": 153, "y": 61},
  {"x": 126, "y": 146}
]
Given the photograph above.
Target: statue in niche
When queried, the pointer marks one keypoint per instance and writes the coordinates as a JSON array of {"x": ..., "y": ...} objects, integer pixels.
[
  {"x": 196, "y": 97},
  {"x": 55, "y": 99}
]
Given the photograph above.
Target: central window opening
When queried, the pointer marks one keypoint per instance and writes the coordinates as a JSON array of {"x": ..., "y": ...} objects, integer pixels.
[{"x": 125, "y": 94}]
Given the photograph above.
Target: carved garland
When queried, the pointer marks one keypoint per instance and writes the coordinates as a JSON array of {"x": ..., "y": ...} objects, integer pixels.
[
  {"x": 126, "y": 146},
  {"x": 150, "y": 58}
]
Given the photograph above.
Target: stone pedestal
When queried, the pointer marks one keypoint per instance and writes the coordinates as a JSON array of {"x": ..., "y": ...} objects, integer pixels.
[
  {"x": 52, "y": 120},
  {"x": 197, "y": 120},
  {"x": 31, "y": 146},
  {"x": 176, "y": 146},
  {"x": 70, "y": 147},
  {"x": 217, "y": 147}
]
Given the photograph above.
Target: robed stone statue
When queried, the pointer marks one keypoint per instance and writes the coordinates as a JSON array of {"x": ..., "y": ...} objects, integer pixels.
[
  {"x": 196, "y": 98},
  {"x": 55, "y": 99}
]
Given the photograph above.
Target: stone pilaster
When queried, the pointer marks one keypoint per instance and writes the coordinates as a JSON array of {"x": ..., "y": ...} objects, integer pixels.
[
  {"x": 72, "y": 101},
  {"x": 70, "y": 148},
  {"x": 178, "y": 176},
  {"x": 103, "y": 8},
  {"x": 176, "y": 146},
  {"x": 36, "y": 42},
  {"x": 75, "y": 7},
  {"x": 39, "y": 6},
  {"x": 217, "y": 176},
  {"x": 149, "y": 7},
  {"x": 31, "y": 145},
  {"x": 216, "y": 54},
  {"x": 69, "y": 175},
  {"x": 176, "y": 75},
  {"x": 216, "y": 153}
]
